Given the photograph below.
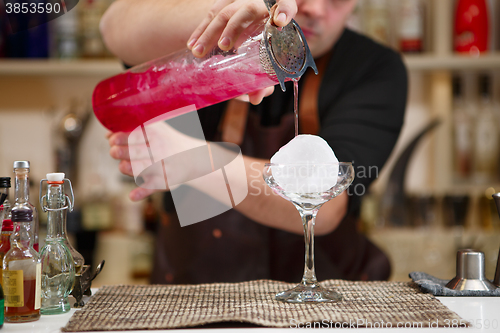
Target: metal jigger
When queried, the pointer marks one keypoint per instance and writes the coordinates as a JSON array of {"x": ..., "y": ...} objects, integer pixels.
[
  {"x": 470, "y": 272},
  {"x": 496, "y": 280}
]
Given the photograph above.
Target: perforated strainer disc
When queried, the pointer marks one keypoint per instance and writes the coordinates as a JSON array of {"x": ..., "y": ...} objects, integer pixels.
[{"x": 284, "y": 52}]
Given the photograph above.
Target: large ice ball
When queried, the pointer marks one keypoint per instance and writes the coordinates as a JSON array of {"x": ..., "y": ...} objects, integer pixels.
[{"x": 307, "y": 165}]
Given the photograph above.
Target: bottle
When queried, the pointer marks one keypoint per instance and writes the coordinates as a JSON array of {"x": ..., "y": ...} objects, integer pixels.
[
  {"x": 4, "y": 189},
  {"x": 411, "y": 26},
  {"x": 3, "y": 31},
  {"x": 38, "y": 32},
  {"x": 6, "y": 233},
  {"x": 377, "y": 20},
  {"x": 486, "y": 135},
  {"x": 463, "y": 132},
  {"x": 180, "y": 83},
  {"x": 471, "y": 28},
  {"x": 21, "y": 272},
  {"x": 54, "y": 184},
  {"x": 22, "y": 192},
  {"x": 2, "y": 305},
  {"x": 58, "y": 267},
  {"x": 92, "y": 43},
  {"x": 65, "y": 40},
  {"x": 5, "y": 218}
]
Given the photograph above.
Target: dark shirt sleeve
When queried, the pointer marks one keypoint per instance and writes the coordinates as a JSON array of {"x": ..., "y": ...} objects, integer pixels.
[{"x": 362, "y": 104}]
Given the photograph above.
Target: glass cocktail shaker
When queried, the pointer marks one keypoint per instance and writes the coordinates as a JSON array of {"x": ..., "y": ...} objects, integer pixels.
[{"x": 172, "y": 85}]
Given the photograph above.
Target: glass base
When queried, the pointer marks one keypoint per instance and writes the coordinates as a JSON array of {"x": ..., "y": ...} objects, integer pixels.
[
  {"x": 310, "y": 293},
  {"x": 50, "y": 307}
]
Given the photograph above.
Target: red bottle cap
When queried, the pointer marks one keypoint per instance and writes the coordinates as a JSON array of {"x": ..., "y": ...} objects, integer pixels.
[{"x": 7, "y": 225}]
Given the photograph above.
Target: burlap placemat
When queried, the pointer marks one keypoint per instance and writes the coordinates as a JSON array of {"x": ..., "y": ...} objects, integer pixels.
[{"x": 365, "y": 304}]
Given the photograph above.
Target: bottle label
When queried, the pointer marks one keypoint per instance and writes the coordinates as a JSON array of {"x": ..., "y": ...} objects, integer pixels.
[
  {"x": 13, "y": 288},
  {"x": 38, "y": 287}
]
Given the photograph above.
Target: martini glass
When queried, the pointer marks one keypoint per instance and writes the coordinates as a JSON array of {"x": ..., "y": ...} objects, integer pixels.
[{"x": 308, "y": 186}]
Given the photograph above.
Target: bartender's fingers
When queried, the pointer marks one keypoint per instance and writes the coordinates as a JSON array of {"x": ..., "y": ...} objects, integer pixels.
[
  {"x": 200, "y": 42},
  {"x": 230, "y": 29},
  {"x": 284, "y": 11},
  {"x": 140, "y": 193},
  {"x": 125, "y": 167},
  {"x": 257, "y": 96},
  {"x": 133, "y": 152},
  {"x": 228, "y": 19}
]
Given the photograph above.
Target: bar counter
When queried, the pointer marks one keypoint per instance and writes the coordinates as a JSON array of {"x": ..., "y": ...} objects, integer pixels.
[{"x": 483, "y": 313}]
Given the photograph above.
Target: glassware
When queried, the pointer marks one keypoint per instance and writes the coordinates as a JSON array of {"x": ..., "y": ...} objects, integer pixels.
[
  {"x": 58, "y": 267},
  {"x": 78, "y": 259},
  {"x": 308, "y": 205},
  {"x": 178, "y": 83},
  {"x": 22, "y": 193},
  {"x": 21, "y": 272}
]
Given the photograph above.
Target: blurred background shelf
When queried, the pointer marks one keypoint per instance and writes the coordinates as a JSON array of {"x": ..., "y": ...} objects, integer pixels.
[
  {"x": 452, "y": 62},
  {"x": 80, "y": 67},
  {"x": 109, "y": 67}
]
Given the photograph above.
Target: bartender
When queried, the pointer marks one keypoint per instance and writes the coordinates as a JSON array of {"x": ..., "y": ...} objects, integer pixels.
[{"x": 356, "y": 104}]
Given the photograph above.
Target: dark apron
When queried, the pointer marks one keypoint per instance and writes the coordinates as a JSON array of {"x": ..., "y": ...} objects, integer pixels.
[{"x": 232, "y": 248}]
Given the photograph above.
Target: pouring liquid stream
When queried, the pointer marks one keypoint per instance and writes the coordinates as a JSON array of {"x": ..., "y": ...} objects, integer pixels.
[{"x": 296, "y": 104}]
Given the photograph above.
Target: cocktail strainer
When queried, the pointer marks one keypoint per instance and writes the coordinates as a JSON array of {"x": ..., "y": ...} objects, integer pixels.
[{"x": 284, "y": 52}]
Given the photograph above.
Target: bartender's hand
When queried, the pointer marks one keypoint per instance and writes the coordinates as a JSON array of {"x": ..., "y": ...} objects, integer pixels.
[
  {"x": 227, "y": 19},
  {"x": 136, "y": 157}
]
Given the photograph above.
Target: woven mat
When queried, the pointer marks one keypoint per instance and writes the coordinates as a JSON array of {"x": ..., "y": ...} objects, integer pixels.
[{"x": 364, "y": 304}]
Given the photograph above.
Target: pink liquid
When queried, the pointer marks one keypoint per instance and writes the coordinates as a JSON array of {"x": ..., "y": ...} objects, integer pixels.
[
  {"x": 296, "y": 104},
  {"x": 128, "y": 100}
]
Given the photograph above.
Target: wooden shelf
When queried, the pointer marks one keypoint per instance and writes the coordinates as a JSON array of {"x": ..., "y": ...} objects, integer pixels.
[
  {"x": 109, "y": 67},
  {"x": 452, "y": 62},
  {"x": 46, "y": 67}
]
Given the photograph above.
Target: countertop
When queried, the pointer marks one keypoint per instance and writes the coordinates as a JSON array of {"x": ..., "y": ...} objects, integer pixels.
[{"x": 482, "y": 312}]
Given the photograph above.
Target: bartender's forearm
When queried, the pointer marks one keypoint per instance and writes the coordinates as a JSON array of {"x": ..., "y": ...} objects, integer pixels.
[
  {"x": 263, "y": 206},
  {"x": 138, "y": 31}
]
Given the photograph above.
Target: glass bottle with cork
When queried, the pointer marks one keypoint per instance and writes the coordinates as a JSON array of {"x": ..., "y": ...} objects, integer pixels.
[
  {"x": 22, "y": 192},
  {"x": 21, "y": 272},
  {"x": 58, "y": 267}
]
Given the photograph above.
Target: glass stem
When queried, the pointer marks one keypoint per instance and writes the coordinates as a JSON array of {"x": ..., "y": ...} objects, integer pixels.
[{"x": 308, "y": 219}]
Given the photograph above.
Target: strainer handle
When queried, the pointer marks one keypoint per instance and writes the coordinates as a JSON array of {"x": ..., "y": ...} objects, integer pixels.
[{"x": 269, "y": 3}]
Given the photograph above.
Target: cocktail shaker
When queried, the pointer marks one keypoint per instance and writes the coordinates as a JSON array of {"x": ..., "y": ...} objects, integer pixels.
[{"x": 171, "y": 85}]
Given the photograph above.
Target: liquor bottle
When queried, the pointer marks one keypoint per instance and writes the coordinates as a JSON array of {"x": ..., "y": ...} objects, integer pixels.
[
  {"x": 2, "y": 304},
  {"x": 4, "y": 189},
  {"x": 5, "y": 218},
  {"x": 3, "y": 31},
  {"x": 22, "y": 190},
  {"x": 92, "y": 43},
  {"x": 463, "y": 132},
  {"x": 486, "y": 135},
  {"x": 58, "y": 267},
  {"x": 65, "y": 40},
  {"x": 377, "y": 20},
  {"x": 6, "y": 233},
  {"x": 410, "y": 26},
  {"x": 471, "y": 29},
  {"x": 21, "y": 272}
]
